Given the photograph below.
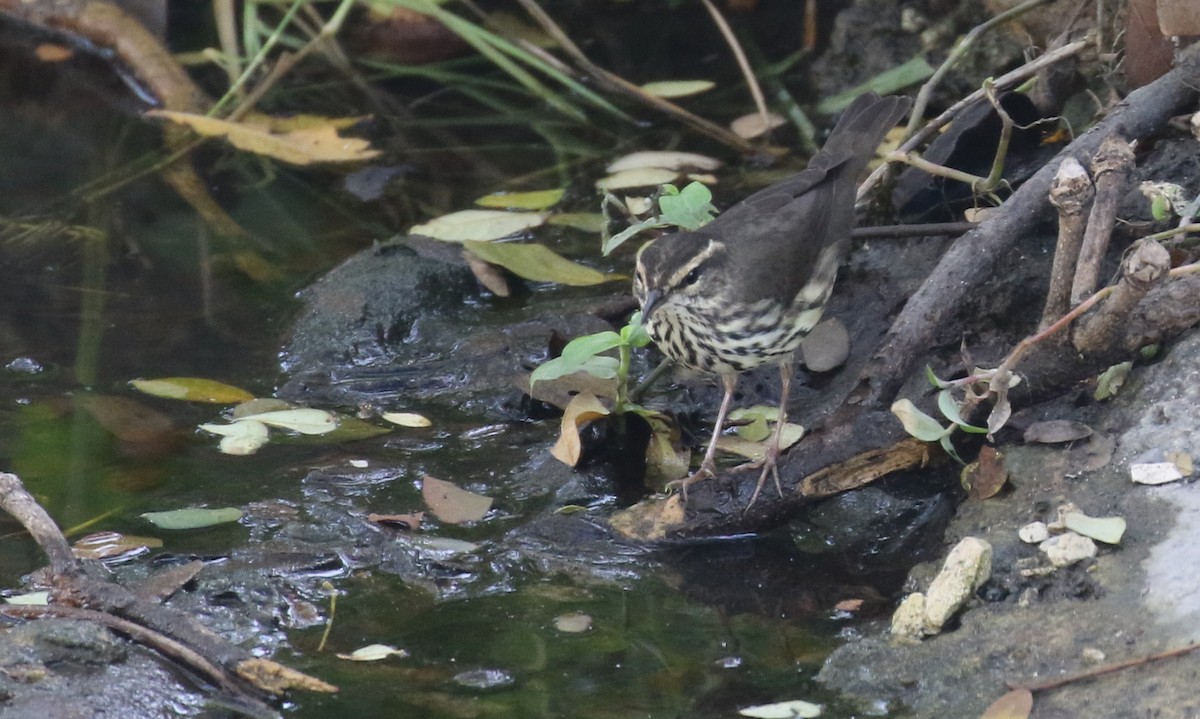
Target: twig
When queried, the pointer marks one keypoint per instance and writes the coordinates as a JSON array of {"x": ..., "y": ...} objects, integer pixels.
[
  {"x": 926, "y": 229},
  {"x": 740, "y": 56},
  {"x": 1146, "y": 266},
  {"x": 1110, "y": 171},
  {"x": 956, "y": 54},
  {"x": 1101, "y": 671},
  {"x": 1070, "y": 193},
  {"x": 621, "y": 85},
  {"x": 17, "y": 501}
]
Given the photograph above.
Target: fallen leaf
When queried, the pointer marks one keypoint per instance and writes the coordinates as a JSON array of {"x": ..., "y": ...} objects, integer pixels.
[
  {"x": 984, "y": 477},
  {"x": 304, "y": 420},
  {"x": 1056, "y": 431},
  {"x": 917, "y": 423},
  {"x": 677, "y": 88},
  {"x": 478, "y": 225},
  {"x": 407, "y": 419},
  {"x": 52, "y": 52},
  {"x": 452, "y": 504},
  {"x": 637, "y": 177},
  {"x": 192, "y": 518},
  {"x": 128, "y": 419},
  {"x": 663, "y": 159},
  {"x": 794, "y": 709},
  {"x": 538, "y": 263},
  {"x": 849, "y": 605},
  {"x": 586, "y": 221},
  {"x": 192, "y": 389},
  {"x": 573, "y": 623},
  {"x": 34, "y": 598},
  {"x": 583, "y": 408},
  {"x": 751, "y": 126},
  {"x": 753, "y": 421},
  {"x": 534, "y": 200},
  {"x": 488, "y": 275},
  {"x": 298, "y": 141},
  {"x": 240, "y": 438},
  {"x": 373, "y": 653},
  {"x": 757, "y": 451},
  {"x": 1016, "y": 704},
  {"x": 1102, "y": 529}
]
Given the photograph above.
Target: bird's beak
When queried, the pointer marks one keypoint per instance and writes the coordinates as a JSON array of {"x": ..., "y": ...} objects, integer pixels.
[{"x": 653, "y": 300}]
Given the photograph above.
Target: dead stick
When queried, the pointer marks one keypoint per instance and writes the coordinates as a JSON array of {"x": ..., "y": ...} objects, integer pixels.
[
  {"x": 17, "y": 501},
  {"x": 1070, "y": 193},
  {"x": 1146, "y": 266},
  {"x": 1101, "y": 671},
  {"x": 1110, "y": 172}
]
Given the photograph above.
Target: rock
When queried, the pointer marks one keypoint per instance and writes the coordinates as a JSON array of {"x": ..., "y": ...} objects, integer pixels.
[
  {"x": 1067, "y": 549},
  {"x": 968, "y": 566},
  {"x": 908, "y": 621},
  {"x": 1034, "y": 533}
]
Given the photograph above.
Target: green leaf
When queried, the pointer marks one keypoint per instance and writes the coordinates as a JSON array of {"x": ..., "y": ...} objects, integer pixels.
[
  {"x": 934, "y": 379},
  {"x": 583, "y": 347},
  {"x": 597, "y": 366},
  {"x": 634, "y": 334},
  {"x": 303, "y": 420},
  {"x": 537, "y": 263},
  {"x": 949, "y": 447},
  {"x": 1111, "y": 380},
  {"x": 690, "y": 209},
  {"x": 914, "y": 71},
  {"x": 949, "y": 409},
  {"x": 586, "y": 221},
  {"x": 534, "y": 200},
  {"x": 618, "y": 239},
  {"x": 192, "y": 518},
  {"x": 917, "y": 423},
  {"x": 193, "y": 389}
]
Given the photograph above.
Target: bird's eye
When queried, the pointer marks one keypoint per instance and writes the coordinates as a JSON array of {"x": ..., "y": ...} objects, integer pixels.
[{"x": 692, "y": 277}]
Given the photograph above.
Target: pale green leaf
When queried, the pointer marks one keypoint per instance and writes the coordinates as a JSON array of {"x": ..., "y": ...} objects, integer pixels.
[
  {"x": 637, "y": 177},
  {"x": 1102, "y": 529},
  {"x": 538, "y": 263},
  {"x": 677, "y": 88},
  {"x": 664, "y": 159},
  {"x": 793, "y": 709},
  {"x": 1111, "y": 380},
  {"x": 303, "y": 420},
  {"x": 452, "y": 504},
  {"x": 950, "y": 410},
  {"x": 407, "y": 419},
  {"x": 534, "y": 200},
  {"x": 239, "y": 438},
  {"x": 917, "y": 423},
  {"x": 192, "y": 389},
  {"x": 478, "y": 225},
  {"x": 619, "y": 239},
  {"x": 373, "y": 653},
  {"x": 585, "y": 221},
  {"x": 192, "y": 518},
  {"x": 30, "y": 598},
  {"x": 692, "y": 208}
]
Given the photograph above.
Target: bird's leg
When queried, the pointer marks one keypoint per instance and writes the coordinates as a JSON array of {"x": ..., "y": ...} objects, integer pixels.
[
  {"x": 708, "y": 466},
  {"x": 770, "y": 461}
]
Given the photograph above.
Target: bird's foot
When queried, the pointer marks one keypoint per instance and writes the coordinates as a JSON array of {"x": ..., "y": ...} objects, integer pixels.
[
  {"x": 705, "y": 471},
  {"x": 770, "y": 466}
]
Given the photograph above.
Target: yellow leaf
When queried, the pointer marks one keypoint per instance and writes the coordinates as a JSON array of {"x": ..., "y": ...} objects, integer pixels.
[
  {"x": 586, "y": 221},
  {"x": 535, "y": 200},
  {"x": 636, "y": 177},
  {"x": 193, "y": 389},
  {"x": 583, "y": 408},
  {"x": 757, "y": 451},
  {"x": 407, "y": 419},
  {"x": 302, "y": 143},
  {"x": 452, "y": 504},
  {"x": 538, "y": 263},
  {"x": 677, "y": 88}
]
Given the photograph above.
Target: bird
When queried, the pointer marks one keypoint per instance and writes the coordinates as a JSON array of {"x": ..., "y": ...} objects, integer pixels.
[{"x": 744, "y": 289}]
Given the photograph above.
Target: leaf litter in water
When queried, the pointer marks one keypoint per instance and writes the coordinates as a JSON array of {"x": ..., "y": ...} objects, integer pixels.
[
  {"x": 301, "y": 140},
  {"x": 664, "y": 159},
  {"x": 373, "y": 653},
  {"x": 533, "y": 200},
  {"x": 407, "y": 419},
  {"x": 113, "y": 545},
  {"x": 583, "y": 408},
  {"x": 452, "y": 504},
  {"x": 192, "y": 389},
  {"x": 573, "y": 623},
  {"x": 304, "y": 420},
  {"x": 792, "y": 709},
  {"x": 240, "y": 438},
  {"x": 478, "y": 225},
  {"x": 538, "y": 263},
  {"x": 192, "y": 517}
]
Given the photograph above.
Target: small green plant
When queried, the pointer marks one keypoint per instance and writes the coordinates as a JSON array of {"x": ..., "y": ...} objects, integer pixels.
[
  {"x": 584, "y": 354},
  {"x": 929, "y": 429},
  {"x": 687, "y": 209}
]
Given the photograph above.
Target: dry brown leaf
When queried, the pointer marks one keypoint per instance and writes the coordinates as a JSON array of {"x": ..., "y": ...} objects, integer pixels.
[
  {"x": 488, "y": 275},
  {"x": 1016, "y": 704},
  {"x": 452, "y": 504},
  {"x": 984, "y": 477},
  {"x": 583, "y": 408},
  {"x": 297, "y": 141}
]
